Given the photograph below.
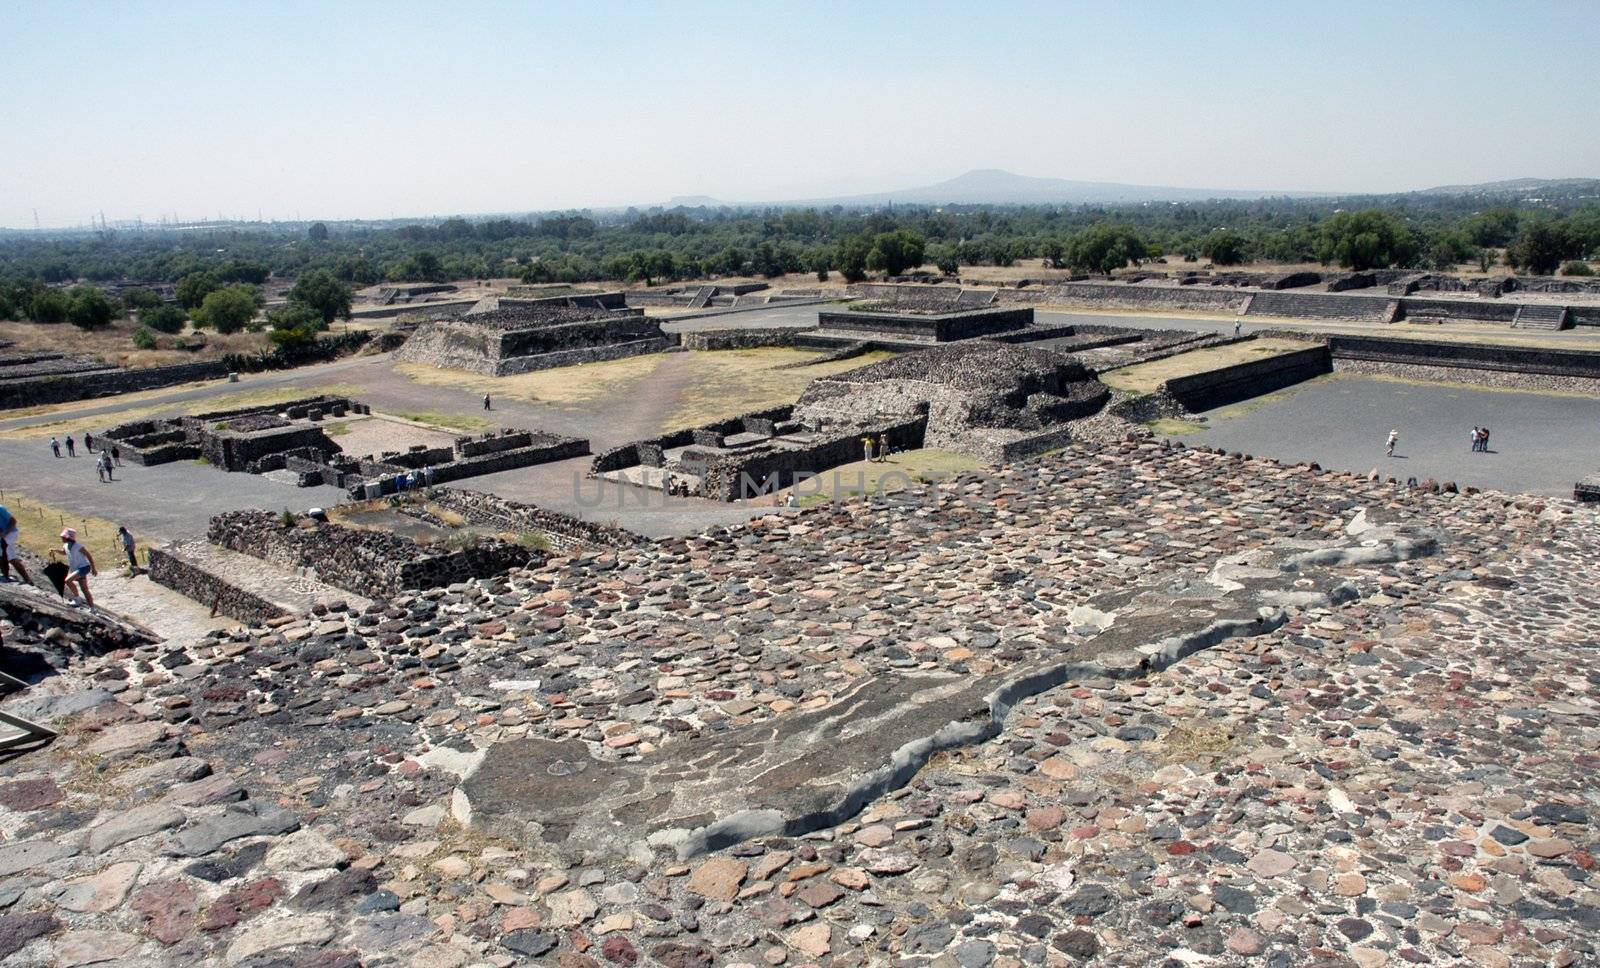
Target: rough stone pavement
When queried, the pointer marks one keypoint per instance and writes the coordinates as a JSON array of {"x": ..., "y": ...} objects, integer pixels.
[{"x": 1400, "y": 773}]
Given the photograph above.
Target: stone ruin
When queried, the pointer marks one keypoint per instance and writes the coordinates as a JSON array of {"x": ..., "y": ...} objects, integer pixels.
[
  {"x": 291, "y": 439},
  {"x": 752, "y": 454},
  {"x": 524, "y": 336},
  {"x": 920, "y": 323},
  {"x": 232, "y": 440},
  {"x": 991, "y": 401},
  {"x": 261, "y": 567}
]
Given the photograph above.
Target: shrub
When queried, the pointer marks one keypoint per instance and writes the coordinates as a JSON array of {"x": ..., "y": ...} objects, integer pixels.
[
  {"x": 228, "y": 309},
  {"x": 164, "y": 319},
  {"x": 1577, "y": 268},
  {"x": 144, "y": 339},
  {"x": 49, "y": 306},
  {"x": 88, "y": 307}
]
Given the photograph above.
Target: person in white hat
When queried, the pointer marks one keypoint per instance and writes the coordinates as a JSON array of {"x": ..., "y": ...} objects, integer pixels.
[{"x": 80, "y": 565}]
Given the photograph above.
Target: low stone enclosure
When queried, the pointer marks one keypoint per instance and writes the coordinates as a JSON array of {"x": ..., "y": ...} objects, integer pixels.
[
  {"x": 521, "y": 337},
  {"x": 992, "y": 401},
  {"x": 696, "y": 297},
  {"x": 259, "y": 567},
  {"x": 366, "y": 562},
  {"x": 292, "y": 437},
  {"x": 232, "y": 440},
  {"x": 1283, "y": 295}
]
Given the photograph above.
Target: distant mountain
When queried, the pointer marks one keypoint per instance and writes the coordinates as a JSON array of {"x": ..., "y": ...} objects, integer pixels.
[
  {"x": 695, "y": 201},
  {"x": 1522, "y": 186},
  {"x": 993, "y": 186}
]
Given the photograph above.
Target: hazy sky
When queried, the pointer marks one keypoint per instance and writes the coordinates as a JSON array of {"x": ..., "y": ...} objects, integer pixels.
[{"x": 346, "y": 109}]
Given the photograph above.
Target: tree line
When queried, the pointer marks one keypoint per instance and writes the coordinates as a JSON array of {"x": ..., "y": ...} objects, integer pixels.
[{"x": 226, "y": 266}]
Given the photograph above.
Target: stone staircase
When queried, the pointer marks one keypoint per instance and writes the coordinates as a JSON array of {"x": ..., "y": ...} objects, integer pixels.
[
  {"x": 702, "y": 297},
  {"x": 1542, "y": 317}
]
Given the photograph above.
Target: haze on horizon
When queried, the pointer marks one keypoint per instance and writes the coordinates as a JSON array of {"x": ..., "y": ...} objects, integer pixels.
[{"x": 374, "y": 110}]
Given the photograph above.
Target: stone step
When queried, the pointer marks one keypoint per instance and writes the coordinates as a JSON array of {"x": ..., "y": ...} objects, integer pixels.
[
  {"x": 1542, "y": 317},
  {"x": 238, "y": 585}
]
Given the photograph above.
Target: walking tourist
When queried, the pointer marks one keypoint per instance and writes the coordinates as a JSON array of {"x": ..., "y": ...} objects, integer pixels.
[
  {"x": 128, "y": 547},
  {"x": 72, "y": 449},
  {"x": 866, "y": 446},
  {"x": 486, "y": 402},
  {"x": 80, "y": 565},
  {"x": 1238, "y": 327},
  {"x": 1477, "y": 437},
  {"x": 1394, "y": 438},
  {"x": 55, "y": 446},
  {"x": 883, "y": 448},
  {"x": 105, "y": 462},
  {"x": 10, "y": 546},
  {"x": 116, "y": 454},
  {"x": 1483, "y": 442},
  {"x": 100, "y": 471},
  {"x": 88, "y": 442}
]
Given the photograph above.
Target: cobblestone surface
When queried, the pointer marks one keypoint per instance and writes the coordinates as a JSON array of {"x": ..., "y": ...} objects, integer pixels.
[{"x": 1399, "y": 771}]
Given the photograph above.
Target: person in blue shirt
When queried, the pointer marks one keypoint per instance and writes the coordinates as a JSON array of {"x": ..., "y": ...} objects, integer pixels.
[{"x": 11, "y": 546}]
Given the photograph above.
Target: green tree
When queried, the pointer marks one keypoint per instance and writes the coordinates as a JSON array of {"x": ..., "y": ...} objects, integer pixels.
[
  {"x": 322, "y": 292},
  {"x": 1104, "y": 248},
  {"x": 49, "y": 306},
  {"x": 1492, "y": 228},
  {"x": 894, "y": 252},
  {"x": 139, "y": 299},
  {"x": 1051, "y": 250},
  {"x": 1368, "y": 239},
  {"x": 1223, "y": 247},
  {"x": 1540, "y": 247},
  {"x": 318, "y": 232},
  {"x": 163, "y": 318},
  {"x": 296, "y": 324},
  {"x": 194, "y": 287},
  {"x": 88, "y": 307},
  {"x": 852, "y": 257},
  {"x": 228, "y": 309},
  {"x": 947, "y": 258},
  {"x": 244, "y": 270}
]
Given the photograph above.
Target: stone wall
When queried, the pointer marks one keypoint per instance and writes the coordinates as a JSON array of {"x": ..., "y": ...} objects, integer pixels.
[
  {"x": 588, "y": 354},
  {"x": 1122, "y": 296},
  {"x": 1584, "y": 315},
  {"x": 742, "y": 339},
  {"x": 933, "y": 327},
  {"x": 1517, "y": 359},
  {"x": 221, "y": 596},
  {"x": 1242, "y": 381},
  {"x": 360, "y": 561},
  {"x": 566, "y": 533},
  {"x": 737, "y": 476},
  {"x": 1414, "y": 307},
  {"x": 1310, "y": 305},
  {"x": 34, "y": 391}
]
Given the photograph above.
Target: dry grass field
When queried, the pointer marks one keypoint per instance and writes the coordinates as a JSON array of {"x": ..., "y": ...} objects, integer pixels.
[
  {"x": 153, "y": 405},
  {"x": 114, "y": 344},
  {"x": 691, "y": 388}
]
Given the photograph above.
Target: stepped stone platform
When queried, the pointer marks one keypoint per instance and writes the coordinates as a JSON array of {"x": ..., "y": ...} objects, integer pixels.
[
  {"x": 912, "y": 325},
  {"x": 524, "y": 336},
  {"x": 242, "y": 586}
]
